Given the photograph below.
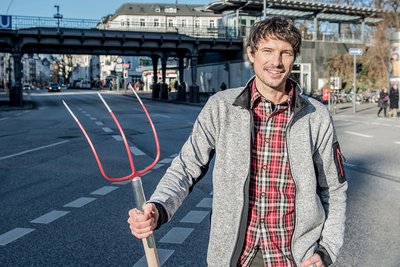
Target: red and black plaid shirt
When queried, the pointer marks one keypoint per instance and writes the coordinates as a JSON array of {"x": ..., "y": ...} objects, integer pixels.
[{"x": 272, "y": 190}]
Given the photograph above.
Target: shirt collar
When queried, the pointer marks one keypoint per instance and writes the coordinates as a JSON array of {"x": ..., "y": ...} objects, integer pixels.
[{"x": 256, "y": 96}]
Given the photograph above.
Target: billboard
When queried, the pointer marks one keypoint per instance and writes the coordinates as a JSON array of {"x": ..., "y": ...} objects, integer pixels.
[{"x": 394, "y": 67}]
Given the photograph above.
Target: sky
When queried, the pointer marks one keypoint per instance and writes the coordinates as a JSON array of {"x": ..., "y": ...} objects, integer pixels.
[{"x": 79, "y": 9}]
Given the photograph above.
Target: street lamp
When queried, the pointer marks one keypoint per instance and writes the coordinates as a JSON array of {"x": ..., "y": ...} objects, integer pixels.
[{"x": 58, "y": 16}]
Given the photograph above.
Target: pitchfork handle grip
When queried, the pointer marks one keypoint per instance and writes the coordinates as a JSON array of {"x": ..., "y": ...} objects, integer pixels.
[{"x": 149, "y": 244}]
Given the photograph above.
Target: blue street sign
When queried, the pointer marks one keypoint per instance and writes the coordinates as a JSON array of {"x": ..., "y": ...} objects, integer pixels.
[
  {"x": 5, "y": 22},
  {"x": 355, "y": 51}
]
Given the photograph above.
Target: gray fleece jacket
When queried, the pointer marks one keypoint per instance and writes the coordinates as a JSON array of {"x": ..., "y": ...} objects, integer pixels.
[{"x": 224, "y": 128}]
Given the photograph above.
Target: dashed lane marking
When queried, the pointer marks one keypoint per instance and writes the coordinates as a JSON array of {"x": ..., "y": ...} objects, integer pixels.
[
  {"x": 107, "y": 130},
  {"x": 194, "y": 216},
  {"x": 205, "y": 203},
  {"x": 359, "y": 134},
  {"x": 104, "y": 190},
  {"x": 158, "y": 166},
  {"x": 80, "y": 202},
  {"x": 166, "y": 161},
  {"x": 163, "y": 255},
  {"x": 50, "y": 217},
  {"x": 99, "y": 123},
  {"x": 117, "y": 137},
  {"x": 397, "y": 142},
  {"x": 136, "y": 151},
  {"x": 177, "y": 235},
  {"x": 13, "y": 235}
]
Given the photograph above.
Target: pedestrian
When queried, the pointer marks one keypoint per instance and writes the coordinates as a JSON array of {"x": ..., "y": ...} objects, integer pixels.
[
  {"x": 383, "y": 101},
  {"x": 279, "y": 187},
  {"x": 394, "y": 99},
  {"x": 223, "y": 86}
]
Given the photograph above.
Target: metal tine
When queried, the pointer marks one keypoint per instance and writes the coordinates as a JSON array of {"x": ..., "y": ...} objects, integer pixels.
[
  {"x": 140, "y": 173},
  {"x": 99, "y": 164},
  {"x": 134, "y": 173}
]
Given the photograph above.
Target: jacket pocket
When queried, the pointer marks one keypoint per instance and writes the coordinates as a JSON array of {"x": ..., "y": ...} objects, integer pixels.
[{"x": 338, "y": 158}]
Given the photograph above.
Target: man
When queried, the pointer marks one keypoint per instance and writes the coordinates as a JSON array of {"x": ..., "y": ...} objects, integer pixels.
[
  {"x": 394, "y": 99},
  {"x": 279, "y": 188}
]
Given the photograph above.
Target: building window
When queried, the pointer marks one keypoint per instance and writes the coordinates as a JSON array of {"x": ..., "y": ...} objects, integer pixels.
[
  {"x": 142, "y": 23},
  {"x": 212, "y": 24},
  {"x": 170, "y": 23},
  {"x": 197, "y": 23},
  {"x": 156, "y": 23},
  {"x": 183, "y": 23}
]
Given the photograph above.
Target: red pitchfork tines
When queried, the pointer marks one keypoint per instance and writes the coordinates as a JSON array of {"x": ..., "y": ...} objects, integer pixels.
[{"x": 134, "y": 173}]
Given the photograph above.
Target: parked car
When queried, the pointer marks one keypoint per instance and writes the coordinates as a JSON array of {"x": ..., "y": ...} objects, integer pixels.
[
  {"x": 54, "y": 87},
  {"x": 27, "y": 86},
  {"x": 83, "y": 84}
]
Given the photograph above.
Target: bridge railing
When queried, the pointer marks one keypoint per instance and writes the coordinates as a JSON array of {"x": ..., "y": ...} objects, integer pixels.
[{"x": 24, "y": 22}]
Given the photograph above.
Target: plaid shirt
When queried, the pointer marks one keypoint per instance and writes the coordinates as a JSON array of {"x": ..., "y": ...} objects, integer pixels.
[{"x": 272, "y": 190}]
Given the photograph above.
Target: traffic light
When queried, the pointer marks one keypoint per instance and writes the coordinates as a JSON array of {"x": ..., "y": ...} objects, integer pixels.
[{"x": 358, "y": 67}]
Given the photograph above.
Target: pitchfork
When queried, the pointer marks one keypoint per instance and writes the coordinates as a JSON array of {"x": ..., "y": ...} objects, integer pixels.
[{"x": 139, "y": 198}]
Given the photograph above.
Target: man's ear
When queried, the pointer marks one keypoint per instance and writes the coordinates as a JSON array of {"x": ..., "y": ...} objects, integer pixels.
[{"x": 250, "y": 54}]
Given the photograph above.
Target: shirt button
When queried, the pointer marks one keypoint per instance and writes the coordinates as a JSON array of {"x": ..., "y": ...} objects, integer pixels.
[
  {"x": 264, "y": 167},
  {"x": 263, "y": 194},
  {"x": 266, "y": 140},
  {"x": 261, "y": 221}
]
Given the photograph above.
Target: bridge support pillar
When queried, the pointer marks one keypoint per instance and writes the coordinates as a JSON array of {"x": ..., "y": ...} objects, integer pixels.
[
  {"x": 164, "y": 86},
  {"x": 181, "y": 94},
  {"x": 16, "y": 96},
  {"x": 155, "y": 88},
  {"x": 194, "y": 96}
]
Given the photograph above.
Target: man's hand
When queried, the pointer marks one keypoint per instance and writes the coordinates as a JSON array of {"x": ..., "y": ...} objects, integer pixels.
[
  {"x": 143, "y": 223},
  {"x": 314, "y": 259}
]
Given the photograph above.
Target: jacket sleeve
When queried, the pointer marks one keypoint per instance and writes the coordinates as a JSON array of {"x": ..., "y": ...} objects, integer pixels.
[
  {"x": 189, "y": 166},
  {"x": 332, "y": 190}
]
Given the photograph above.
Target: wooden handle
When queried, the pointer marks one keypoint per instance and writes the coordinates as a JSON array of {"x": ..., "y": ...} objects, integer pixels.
[
  {"x": 151, "y": 253},
  {"x": 149, "y": 244}
]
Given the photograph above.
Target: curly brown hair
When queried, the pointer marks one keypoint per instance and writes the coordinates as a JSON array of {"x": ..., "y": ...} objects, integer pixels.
[{"x": 279, "y": 28}]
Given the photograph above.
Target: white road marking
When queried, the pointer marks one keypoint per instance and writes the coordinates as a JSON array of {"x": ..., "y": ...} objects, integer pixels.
[
  {"x": 173, "y": 156},
  {"x": 205, "y": 203},
  {"x": 99, "y": 123},
  {"x": 80, "y": 202},
  {"x": 50, "y": 217},
  {"x": 32, "y": 150},
  {"x": 13, "y": 235},
  {"x": 161, "y": 115},
  {"x": 166, "y": 160},
  {"x": 397, "y": 142},
  {"x": 93, "y": 118},
  {"x": 194, "y": 216},
  {"x": 122, "y": 183},
  {"x": 104, "y": 190},
  {"x": 117, "y": 137},
  {"x": 163, "y": 255},
  {"x": 158, "y": 165},
  {"x": 359, "y": 134},
  {"x": 107, "y": 130},
  {"x": 176, "y": 235},
  {"x": 3, "y": 118},
  {"x": 136, "y": 151}
]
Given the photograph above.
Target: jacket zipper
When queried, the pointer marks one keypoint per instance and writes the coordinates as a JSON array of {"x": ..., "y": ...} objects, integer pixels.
[
  {"x": 295, "y": 184},
  {"x": 235, "y": 251}
]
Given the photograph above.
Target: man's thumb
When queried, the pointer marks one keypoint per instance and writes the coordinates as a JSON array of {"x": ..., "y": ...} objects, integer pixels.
[{"x": 148, "y": 208}]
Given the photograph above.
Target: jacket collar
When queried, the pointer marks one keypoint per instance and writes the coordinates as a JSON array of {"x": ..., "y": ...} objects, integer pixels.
[{"x": 244, "y": 98}]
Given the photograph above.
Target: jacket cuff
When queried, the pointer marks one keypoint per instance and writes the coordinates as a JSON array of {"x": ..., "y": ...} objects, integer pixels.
[
  {"x": 323, "y": 253},
  {"x": 162, "y": 214}
]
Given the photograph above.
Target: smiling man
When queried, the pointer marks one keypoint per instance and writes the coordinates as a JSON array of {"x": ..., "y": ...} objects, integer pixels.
[{"x": 279, "y": 187}]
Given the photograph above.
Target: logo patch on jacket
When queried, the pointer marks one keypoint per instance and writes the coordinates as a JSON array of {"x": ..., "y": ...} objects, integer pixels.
[{"x": 338, "y": 157}]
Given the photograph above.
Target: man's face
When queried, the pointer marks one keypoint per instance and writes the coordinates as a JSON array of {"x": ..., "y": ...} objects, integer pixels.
[{"x": 272, "y": 62}]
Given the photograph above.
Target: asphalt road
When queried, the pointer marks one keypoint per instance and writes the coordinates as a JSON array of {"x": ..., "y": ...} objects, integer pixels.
[{"x": 57, "y": 210}]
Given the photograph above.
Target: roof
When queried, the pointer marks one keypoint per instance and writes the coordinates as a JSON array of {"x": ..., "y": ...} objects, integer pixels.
[
  {"x": 301, "y": 10},
  {"x": 163, "y": 10}
]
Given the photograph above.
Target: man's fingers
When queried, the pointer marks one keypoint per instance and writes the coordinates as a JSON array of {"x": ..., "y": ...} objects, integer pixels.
[{"x": 314, "y": 259}]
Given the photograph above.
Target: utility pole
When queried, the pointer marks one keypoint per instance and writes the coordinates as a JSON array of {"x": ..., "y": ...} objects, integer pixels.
[{"x": 355, "y": 52}]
